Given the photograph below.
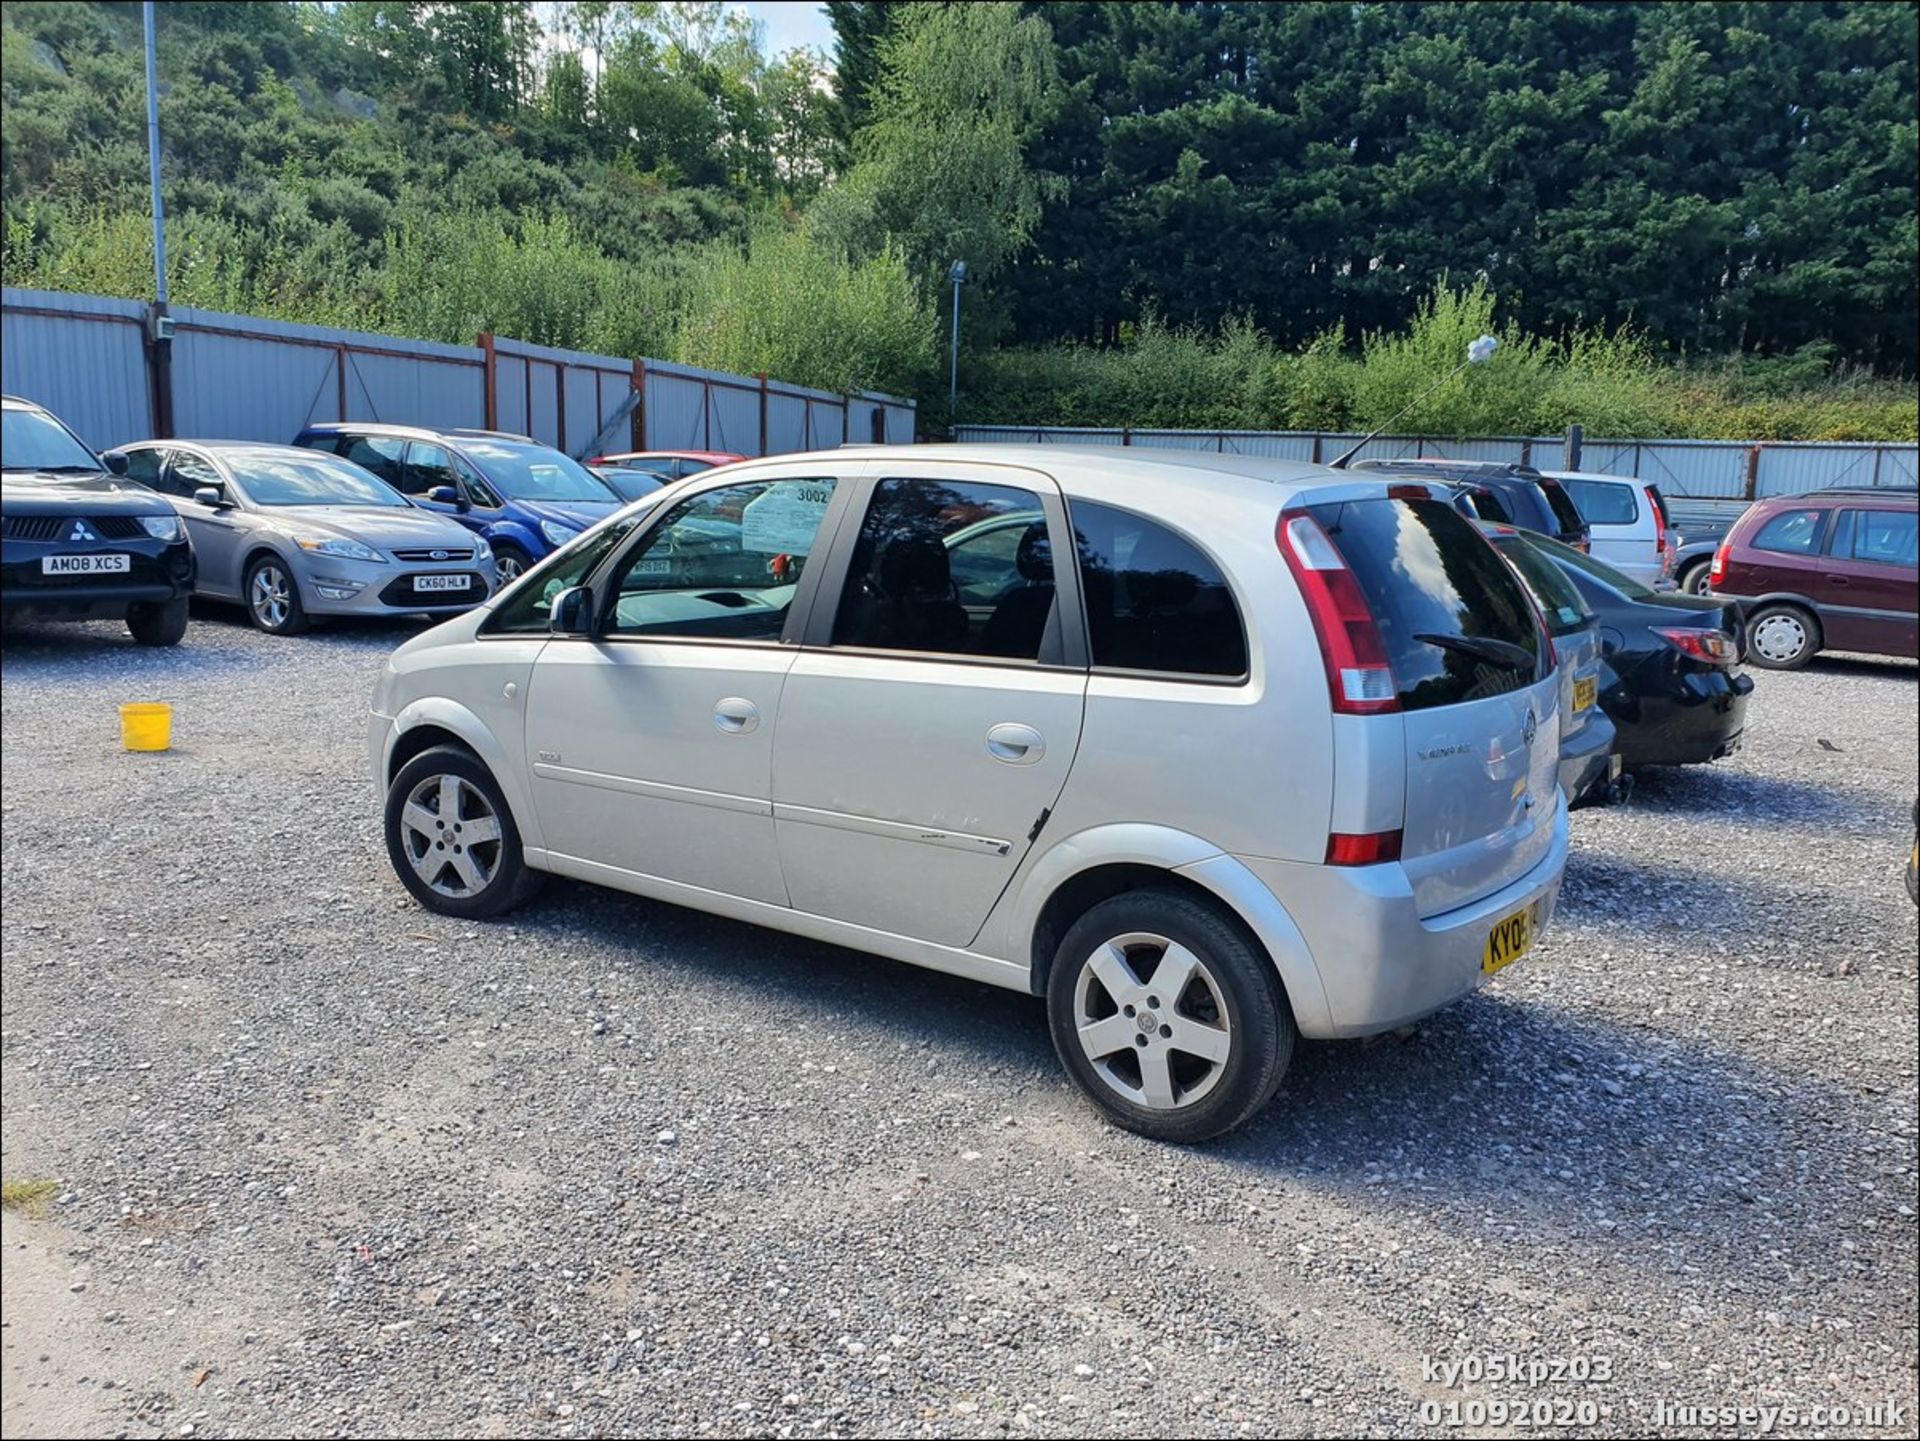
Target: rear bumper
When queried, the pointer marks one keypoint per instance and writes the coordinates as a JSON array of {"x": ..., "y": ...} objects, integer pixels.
[
  {"x": 1586, "y": 758},
  {"x": 1686, "y": 718},
  {"x": 1382, "y": 964}
]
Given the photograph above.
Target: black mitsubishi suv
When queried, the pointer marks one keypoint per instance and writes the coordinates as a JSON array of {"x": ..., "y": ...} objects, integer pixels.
[{"x": 79, "y": 543}]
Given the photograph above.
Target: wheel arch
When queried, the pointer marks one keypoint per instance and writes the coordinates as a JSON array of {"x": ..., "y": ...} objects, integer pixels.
[
  {"x": 437, "y": 720},
  {"x": 1090, "y": 867}
]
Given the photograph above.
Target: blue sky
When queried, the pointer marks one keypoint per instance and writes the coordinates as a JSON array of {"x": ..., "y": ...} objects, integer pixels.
[{"x": 792, "y": 22}]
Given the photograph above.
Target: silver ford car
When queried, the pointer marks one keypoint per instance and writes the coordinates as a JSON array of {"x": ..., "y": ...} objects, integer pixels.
[
  {"x": 292, "y": 533},
  {"x": 1209, "y": 751}
]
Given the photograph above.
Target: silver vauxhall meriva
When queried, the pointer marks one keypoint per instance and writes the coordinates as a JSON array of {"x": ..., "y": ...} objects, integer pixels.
[
  {"x": 1209, "y": 751},
  {"x": 292, "y": 533}
]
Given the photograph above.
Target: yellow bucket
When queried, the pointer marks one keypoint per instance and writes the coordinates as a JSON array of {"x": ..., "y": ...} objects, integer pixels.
[{"x": 146, "y": 725}]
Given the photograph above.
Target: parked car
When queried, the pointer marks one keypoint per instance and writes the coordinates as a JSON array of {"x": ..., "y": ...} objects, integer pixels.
[
  {"x": 669, "y": 464},
  {"x": 1516, "y": 495},
  {"x": 1831, "y": 570},
  {"x": 1702, "y": 525},
  {"x": 524, "y": 498},
  {"x": 1628, "y": 522},
  {"x": 77, "y": 542},
  {"x": 1590, "y": 768},
  {"x": 290, "y": 534},
  {"x": 1095, "y": 775},
  {"x": 1670, "y": 677}
]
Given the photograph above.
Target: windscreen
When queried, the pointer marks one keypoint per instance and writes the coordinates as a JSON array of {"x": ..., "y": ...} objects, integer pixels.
[
  {"x": 536, "y": 472},
  {"x": 1456, "y": 623},
  {"x": 1566, "y": 555},
  {"x": 33, "y": 440},
  {"x": 310, "y": 480}
]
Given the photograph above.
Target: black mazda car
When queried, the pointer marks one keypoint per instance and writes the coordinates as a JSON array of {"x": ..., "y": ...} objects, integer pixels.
[
  {"x": 1670, "y": 678},
  {"x": 79, "y": 543}
]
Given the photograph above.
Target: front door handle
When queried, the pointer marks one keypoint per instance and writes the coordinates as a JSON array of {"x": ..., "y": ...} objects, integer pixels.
[
  {"x": 1838, "y": 580},
  {"x": 1015, "y": 744},
  {"x": 736, "y": 716}
]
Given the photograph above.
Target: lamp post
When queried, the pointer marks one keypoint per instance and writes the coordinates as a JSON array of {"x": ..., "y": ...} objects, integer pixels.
[{"x": 958, "y": 275}]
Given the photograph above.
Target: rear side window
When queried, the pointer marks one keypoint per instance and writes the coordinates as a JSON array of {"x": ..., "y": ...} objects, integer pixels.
[
  {"x": 380, "y": 454},
  {"x": 1602, "y": 503},
  {"x": 1431, "y": 580},
  {"x": 1489, "y": 506},
  {"x": 1565, "y": 513},
  {"x": 1154, "y": 602},
  {"x": 1559, "y": 601},
  {"x": 1792, "y": 532}
]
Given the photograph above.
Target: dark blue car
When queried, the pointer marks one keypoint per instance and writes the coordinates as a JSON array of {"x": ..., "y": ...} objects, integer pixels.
[{"x": 526, "y": 498}]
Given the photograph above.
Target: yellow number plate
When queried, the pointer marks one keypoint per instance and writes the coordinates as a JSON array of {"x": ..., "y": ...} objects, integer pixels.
[
  {"x": 1583, "y": 692},
  {"x": 1511, "y": 938}
]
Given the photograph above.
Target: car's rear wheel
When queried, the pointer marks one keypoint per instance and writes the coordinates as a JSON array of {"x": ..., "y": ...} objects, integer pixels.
[
  {"x": 1781, "y": 637},
  {"x": 510, "y": 562},
  {"x": 1168, "y": 1016},
  {"x": 161, "y": 622},
  {"x": 273, "y": 597},
  {"x": 1697, "y": 578},
  {"x": 452, "y": 839}
]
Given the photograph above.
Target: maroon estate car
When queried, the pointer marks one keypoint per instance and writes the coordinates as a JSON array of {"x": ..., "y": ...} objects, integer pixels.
[{"x": 1830, "y": 570}]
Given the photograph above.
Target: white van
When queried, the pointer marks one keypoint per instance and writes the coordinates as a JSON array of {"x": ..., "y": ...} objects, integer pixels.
[{"x": 1628, "y": 517}]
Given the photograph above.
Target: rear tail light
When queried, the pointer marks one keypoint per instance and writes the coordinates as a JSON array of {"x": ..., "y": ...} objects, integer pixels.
[
  {"x": 1359, "y": 679},
  {"x": 1709, "y": 646},
  {"x": 1659, "y": 522},
  {"x": 1719, "y": 571},
  {"x": 1366, "y": 850}
]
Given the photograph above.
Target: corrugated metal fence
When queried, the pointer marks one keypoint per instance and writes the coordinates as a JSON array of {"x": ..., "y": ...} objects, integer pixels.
[
  {"x": 240, "y": 377},
  {"x": 1704, "y": 469}
]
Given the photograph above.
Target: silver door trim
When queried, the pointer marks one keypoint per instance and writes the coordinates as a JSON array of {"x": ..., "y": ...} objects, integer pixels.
[
  {"x": 891, "y": 830},
  {"x": 656, "y": 790}
]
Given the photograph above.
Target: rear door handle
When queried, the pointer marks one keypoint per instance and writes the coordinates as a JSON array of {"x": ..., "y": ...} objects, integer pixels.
[
  {"x": 1838, "y": 580},
  {"x": 736, "y": 716},
  {"x": 1015, "y": 744}
]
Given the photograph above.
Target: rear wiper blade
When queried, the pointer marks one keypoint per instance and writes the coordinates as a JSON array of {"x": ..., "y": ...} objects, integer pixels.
[{"x": 1496, "y": 652}]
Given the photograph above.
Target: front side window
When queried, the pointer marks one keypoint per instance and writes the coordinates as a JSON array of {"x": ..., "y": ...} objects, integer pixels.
[
  {"x": 1886, "y": 537},
  {"x": 1154, "y": 601},
  {"x": 189, "y": 472},
  {"x": 724, "y": 565},
  {"x": 428, "y": 466},
  {"x": 950, "y": 568},
  {"x": 1793, "y": 532},
  {"x": 147, "y": 467},
  {"x": 528, "y": 610}
]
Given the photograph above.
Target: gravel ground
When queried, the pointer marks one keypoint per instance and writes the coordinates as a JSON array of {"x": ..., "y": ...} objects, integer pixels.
[{"x": 330, "y": 1165}]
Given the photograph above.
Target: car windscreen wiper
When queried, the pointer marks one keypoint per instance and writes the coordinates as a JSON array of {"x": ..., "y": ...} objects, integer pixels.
[
  {"x": 1502, "y": 653},
  {"x": 60, "y": 469}
]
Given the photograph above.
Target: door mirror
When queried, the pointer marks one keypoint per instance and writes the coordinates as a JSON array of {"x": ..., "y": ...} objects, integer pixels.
[
  {"x": 446, "y": 495},
  {"x": 572, "y": 612},
  {"x": 115, "y": 461},
  {"x": 210, "y": 495}
]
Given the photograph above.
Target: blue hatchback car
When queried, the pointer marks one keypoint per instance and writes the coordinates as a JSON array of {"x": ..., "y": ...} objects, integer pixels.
[{"x": 526, "y": 498}]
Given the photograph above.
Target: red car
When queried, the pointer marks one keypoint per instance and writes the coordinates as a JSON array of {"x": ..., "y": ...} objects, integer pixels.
[
  {"x": 669, "y": 464},
  {"x": 1830, "y": 570}
]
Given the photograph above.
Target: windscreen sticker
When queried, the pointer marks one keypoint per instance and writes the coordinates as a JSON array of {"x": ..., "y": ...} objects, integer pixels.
[{"x": 785, "y": 518}]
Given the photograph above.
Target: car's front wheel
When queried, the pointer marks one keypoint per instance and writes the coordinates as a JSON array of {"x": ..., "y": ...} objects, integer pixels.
[
  {"x": 1781, "y": 637},
  {"x": 161, "y": 622},
  {"x": 273, "y": 597},
  {"x": 452, "y": 839},
  {"x": 1168, "y": 1015},
  {"x": 510, "y": 562}
]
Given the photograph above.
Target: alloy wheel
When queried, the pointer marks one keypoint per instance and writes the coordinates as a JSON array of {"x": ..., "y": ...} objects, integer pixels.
[
  {"x": 508, "y": 568},
  {"x": 451, "y": 835},
  {"x": 271, "y": 596},
  {"x": 1153, "y": 1021}
]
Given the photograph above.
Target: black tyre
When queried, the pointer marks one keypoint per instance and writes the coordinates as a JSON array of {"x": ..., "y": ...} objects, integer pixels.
[
  {"x": 1781, "y": 636},
  {"x": 510, "y": 562},
  {"x": 452, "y": 839},
  {"x": 160, "y": 622},
  {"x": 273, "y": 597},
  {"x": 1168, "y": 1015},
  {"x": 1693, "y": 580}
]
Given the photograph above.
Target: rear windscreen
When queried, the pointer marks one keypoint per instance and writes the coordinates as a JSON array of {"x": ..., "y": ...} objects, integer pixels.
[
  {"x": 1426, "y": 572},
  {"x": 1567, "y": 556},
  {"x": 1556, "y": 596},
  {"x": 1602, "y": 502},
  {"x": 1564, "y": 510}
]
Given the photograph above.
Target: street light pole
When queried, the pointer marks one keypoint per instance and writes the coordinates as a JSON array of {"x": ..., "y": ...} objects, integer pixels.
[
  {"x": 159, "y": 326},
  {"x": 958, "y": 275}
]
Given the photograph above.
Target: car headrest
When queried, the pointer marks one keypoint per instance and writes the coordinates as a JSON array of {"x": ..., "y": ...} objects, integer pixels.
[
  {"x": 1034, "y": 559},
  {"x": 1159, "y": 575},
  {"x": 915, "y": 567}
]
